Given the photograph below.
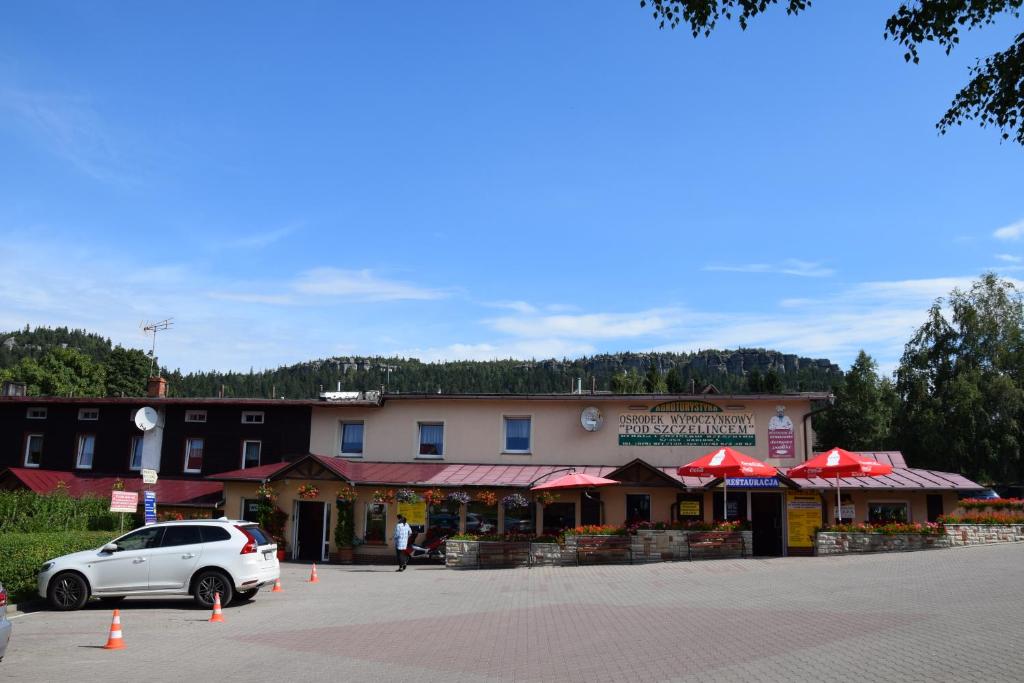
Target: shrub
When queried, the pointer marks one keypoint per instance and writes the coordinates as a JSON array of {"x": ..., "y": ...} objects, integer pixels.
[
  {"x": 992, "y": 504},
  {"x": 29, "y": 512},
  {"x": 596, "y": 530},
  {"x": 984, "y": 517},
  {"x": 21, "y": 555},
  {"x": 889, "y": 528}
]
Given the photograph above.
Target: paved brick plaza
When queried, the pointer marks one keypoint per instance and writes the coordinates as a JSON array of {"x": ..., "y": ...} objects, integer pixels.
[{"x": 928, "y": 616}]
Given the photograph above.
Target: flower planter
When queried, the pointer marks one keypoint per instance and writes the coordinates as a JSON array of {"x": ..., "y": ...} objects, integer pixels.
[
  {"x": 342, "y": 556},
  {"x": 281, "y": 552}
]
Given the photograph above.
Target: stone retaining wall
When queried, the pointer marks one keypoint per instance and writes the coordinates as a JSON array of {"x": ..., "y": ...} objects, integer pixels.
[
  {"x": 840, "y": 542},
  {"x": 982, "y": 534},
  {"x": 647, "y": 545}
]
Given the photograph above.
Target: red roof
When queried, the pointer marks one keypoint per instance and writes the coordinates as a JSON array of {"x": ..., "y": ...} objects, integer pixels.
[
  {"x": 187, "y": 492},
  {"x": 454, "y": 474}
]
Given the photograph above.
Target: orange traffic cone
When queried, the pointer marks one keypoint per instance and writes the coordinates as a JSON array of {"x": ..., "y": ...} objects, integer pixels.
[
  {"x": 115, "y": 641},
  {"x": 313, "y": 578},
  {"x": 217, "y": 616},
  {"x": 277, "y": 586}
]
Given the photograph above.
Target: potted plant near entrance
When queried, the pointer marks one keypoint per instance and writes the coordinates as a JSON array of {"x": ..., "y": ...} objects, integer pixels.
[{"x": 344, "y": 530}]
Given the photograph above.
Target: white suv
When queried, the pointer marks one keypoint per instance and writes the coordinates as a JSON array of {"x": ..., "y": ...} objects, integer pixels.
[{"x": 197, "y": 557}]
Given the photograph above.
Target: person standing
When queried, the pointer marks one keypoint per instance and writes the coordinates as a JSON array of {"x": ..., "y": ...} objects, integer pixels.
[{"x": 401, "y": 538}]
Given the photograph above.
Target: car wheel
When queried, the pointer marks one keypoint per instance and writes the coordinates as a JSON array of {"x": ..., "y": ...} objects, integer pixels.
[
  {"x": 112, "y": 599},
  {"x": 67, "y": 591},
  {"x": 247, "y": 595},
  {"x": 207, "y": 584}
]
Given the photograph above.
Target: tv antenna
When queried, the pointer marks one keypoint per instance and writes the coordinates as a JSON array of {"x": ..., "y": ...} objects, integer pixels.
[{"x": 153, "y": 328}]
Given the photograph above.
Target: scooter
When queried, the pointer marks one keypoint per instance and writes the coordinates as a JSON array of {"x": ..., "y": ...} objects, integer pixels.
[{"x": 434, "y": 550}]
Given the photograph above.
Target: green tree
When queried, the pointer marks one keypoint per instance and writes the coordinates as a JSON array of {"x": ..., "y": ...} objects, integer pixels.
[
  {"x": 674, "y": 381},
  {"x": 127, "y": 371},
  {"x": 773, "y": 383},
  {"x": 59, "y": 372},
  {"x": 755, "y": 382},
  {"x": 961, "y": 382},
  {"x": 862, "y": 417},
  {"x": 654, "y": 383},
  {"x": 628, "y": 382},
  {"x": 994, "y": 95}
]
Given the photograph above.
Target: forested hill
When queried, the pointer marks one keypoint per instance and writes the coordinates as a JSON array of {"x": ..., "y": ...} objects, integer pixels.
[{"x": 117, "y": 371}]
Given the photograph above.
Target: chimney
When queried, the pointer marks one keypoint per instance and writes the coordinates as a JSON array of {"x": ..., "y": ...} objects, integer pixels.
[{"x": 156, "y": 388}]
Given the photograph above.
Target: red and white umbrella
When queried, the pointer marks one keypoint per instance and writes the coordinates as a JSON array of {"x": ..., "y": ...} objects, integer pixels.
[
  {"x": 574, "y": 481},
  {"x": 839, "y": 463},
  {"x": 725, "y": 463}
]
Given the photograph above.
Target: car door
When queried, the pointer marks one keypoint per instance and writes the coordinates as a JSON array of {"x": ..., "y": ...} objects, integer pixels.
[
  {"x": 173, "y": 562},
  {"x": 127, "y": 568}
]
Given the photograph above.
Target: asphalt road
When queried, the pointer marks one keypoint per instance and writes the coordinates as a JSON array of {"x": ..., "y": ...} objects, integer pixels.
[{"x": 944, "y": 615}]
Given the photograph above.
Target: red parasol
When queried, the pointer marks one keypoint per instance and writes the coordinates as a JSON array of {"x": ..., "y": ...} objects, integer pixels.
[
  {"x": 839, "y": 463},
  {"x": 574, "y": 481},
  {"x": 726, "y": 463}
]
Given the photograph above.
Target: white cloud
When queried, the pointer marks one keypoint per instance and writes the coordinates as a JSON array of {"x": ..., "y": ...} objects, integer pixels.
[
  {"x": 1009, "y": 258},
  {"x": 1013, "y": 231},
  {"x": 788, "y": 267},
  {"x": 262, "y": 239},
  {"x": 361, "y": 285},
  {"x": 589, "y": 325},
  {"x": 517, "y": 306},
  {"x": 70, "y": 128}
]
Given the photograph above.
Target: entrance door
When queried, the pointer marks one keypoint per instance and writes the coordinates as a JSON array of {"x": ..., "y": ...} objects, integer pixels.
[
  {"x": 934, "y": 507},
  {"x": 766, "y": 523},
  {"x": 590, "y": 507},
  {"x": 311, "y": 531}
]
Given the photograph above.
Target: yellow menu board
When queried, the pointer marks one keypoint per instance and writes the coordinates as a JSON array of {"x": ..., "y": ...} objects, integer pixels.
[
  {"x": 803, "y": 512},
  {"x": 415, "y": 513},
  {"x": 689, "y": 508}
]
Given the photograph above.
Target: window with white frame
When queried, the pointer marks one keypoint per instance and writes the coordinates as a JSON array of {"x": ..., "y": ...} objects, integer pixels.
[
  {"x": 351, "y": 438},
  {"x": 517, "y": 435},
  {"x": 135, "y": 458},
  {"x": 195, "y": 416},
  {"x": 88, "y": 414},
  {"x": 885, "y": 512},
  {"x": 36, "y": 414},
  {"x": 431, "y": 439},
  {"x": 252, "y": 417},
  {"x": 33, "y": 450},
  {"x": 194, "y": 454},
  {"x": 86, "y": 449},
  {"x": 251, "y": 453}
]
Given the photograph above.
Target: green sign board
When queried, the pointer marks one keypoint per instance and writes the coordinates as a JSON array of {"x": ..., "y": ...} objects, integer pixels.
[{"x": 687, "y": 423}]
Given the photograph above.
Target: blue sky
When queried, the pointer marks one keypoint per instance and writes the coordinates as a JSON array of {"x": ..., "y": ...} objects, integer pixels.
[{"x": 481, "y": 180}]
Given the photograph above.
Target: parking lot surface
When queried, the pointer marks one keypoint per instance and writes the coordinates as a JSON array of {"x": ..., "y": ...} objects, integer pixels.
[{"x": 928, "y": 616}]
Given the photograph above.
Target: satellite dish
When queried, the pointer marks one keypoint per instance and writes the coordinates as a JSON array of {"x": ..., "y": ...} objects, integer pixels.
[
  {"x": 146, "y": 418},
  {"x": 591, "y": 419}
]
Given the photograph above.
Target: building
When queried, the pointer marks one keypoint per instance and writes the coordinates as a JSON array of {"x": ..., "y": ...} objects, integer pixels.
[
  {"x": 89, "y": 443},
  {"x": 486, "y": 448},
  {"x": 471, "y": 456}
]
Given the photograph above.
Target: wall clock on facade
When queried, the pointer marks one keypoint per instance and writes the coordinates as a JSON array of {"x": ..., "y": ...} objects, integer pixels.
[{"x": 591, "y": 419}]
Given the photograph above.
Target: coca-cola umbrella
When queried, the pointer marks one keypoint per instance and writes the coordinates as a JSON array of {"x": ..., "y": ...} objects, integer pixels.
[
  {"x": 574, "y": 481},
  {"x": 725, "y": 463},
  {"x": 839, "y": 463}
]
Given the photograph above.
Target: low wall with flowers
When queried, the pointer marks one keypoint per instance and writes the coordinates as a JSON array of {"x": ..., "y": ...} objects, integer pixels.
[
  {"x": 971, "y": 528},
  {"x": 662, "y": 545},
  {"x": 843, "y": 542},
  {"x": 983, "y": 534}
]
